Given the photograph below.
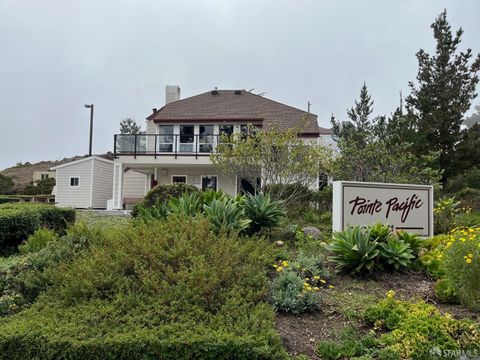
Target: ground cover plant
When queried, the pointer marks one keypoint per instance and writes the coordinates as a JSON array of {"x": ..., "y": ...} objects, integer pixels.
[
  {"x": 405, "y": 330},
  {"x": 171, "y": 289}
]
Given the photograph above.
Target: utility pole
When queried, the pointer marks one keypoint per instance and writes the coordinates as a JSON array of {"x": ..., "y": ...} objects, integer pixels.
[
  {"x": 308, "y": 106},
  {"x": 91, "y": 107}
]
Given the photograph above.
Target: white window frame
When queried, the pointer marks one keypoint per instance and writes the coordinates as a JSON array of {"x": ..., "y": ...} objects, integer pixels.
[
  {"x": 70, "y": 181},
  {"x": 163, "y": 143},
  {"x": 194, "y": 143},
  {"x": 185, "y": 176},
  {"x": 204, "y": 176}
]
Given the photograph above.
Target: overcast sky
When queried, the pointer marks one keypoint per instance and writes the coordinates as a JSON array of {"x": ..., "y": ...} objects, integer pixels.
[{"x": 57, "y": 55}]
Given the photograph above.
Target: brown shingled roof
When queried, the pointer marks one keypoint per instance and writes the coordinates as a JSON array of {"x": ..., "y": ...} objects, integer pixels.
[{"x": 236, "y": 105}]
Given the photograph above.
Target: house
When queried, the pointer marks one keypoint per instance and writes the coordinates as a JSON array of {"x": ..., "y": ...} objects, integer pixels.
[
  {"x": 181, "y": 135},
  {"x": 42, "y": 175},
  {"x": 85, "y": 183}
]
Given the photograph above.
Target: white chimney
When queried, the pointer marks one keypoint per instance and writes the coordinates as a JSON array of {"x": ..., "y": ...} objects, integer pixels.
[{"x": 172, "y": 93}]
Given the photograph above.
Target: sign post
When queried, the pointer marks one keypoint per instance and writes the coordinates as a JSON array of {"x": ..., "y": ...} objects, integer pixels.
[{"x": 402, "y": 206}]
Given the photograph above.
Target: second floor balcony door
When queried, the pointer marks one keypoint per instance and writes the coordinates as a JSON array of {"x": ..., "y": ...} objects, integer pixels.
[{"x": 187, "y": 138}]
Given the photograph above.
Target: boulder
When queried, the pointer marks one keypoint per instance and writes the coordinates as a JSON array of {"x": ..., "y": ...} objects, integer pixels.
[{"x": 311, "y": 231}]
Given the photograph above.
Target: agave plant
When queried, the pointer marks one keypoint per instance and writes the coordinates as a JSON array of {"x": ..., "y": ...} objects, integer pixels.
[
  {"x": 380, "y": 232},
  {"x": 189, "y": 204},
  {"x": 263, "y": 212},
  {"x": 226, "y": 215},
  {"x": 415, "y": 241},
  {"x": 354, "y": 250},
  {"x": 210, "y": 194},
  {"x": 396, "y": 253},
  {"x": 157, "y": 212}
]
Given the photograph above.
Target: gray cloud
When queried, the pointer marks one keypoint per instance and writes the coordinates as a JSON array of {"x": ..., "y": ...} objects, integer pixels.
[{"x": 58, "y": 55}]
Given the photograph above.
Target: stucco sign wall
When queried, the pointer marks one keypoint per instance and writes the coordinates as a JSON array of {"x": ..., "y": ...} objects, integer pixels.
[{"x": 404, "y": 207}]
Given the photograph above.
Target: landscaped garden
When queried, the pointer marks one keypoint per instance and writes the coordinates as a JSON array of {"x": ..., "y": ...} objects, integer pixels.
[{"x": 204, "y": 275}]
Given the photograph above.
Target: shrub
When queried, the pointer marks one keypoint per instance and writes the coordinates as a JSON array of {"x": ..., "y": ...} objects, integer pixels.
[
  {"x": 462, "y": 264},
  {"x": 431, "y": 257},
  {"x": 28, "y": 275},
  {"x": 322, "y": 199},
  {"x": 263, "y": 212},
  {"x": 412, "y": 330},
  {"x": 380, "y": 232},
  {"x": 396, "y": 253},
  {"x": 162, "y": 193},
  {"x": 38, "y": 240},
  {"x": 469, "y": 198},
  {"x": 169, "y": 290},
  {"x": 291, "y": 295},
  {"x": 445, "y": 291},
  {"x": 354, "y": 250},
  {"x": 19, "y": 220},
  {"x": 448, "y": 213}
]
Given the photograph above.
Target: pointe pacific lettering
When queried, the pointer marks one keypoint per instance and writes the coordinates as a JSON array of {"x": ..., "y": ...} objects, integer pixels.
[
  {"x": 405, "y": 207},
  {"x": 362, "y": 206}
]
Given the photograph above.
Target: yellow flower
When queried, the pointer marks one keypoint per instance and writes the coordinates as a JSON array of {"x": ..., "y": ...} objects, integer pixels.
[
  {"x": 316, "y": 288},
  {"x": 275, "y": 266},
  {"x": 279, "y": 268},
  {"x": 331, "y": 286},
  {"x": 462, "y": 239},
  {"x": 284, "y": 263},
  {"x": 316, "y": 277},
  {"x": 470, "y": 256},
  {"x": 323, "y": 281},
  {"x": 390, "y": 294},
  {"x": 468, "y": 261}
]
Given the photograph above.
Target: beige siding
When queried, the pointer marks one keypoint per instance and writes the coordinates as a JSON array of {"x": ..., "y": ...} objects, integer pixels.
[
  {"x": 102, "y": 190},
  {"x": 133, "y": 184},
  {"x": 194, "y": 177},
  {"x": 67, "y": 195}
]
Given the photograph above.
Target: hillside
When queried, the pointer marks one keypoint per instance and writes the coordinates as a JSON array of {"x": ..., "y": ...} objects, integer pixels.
[{"x": 22, "y": 174}]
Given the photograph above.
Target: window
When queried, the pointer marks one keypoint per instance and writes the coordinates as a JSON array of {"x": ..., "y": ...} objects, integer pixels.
[
  {"x": 205, "y": 139},
  {"x": 179, "y": 179},
  {"x": 44, "y": 176},
  {"x": 74, "y": 181},
  {"x": 186, "y": 138},
  {"x": 165, "y": 138},
  {"x": 209, "y": 182},
  {"x": 225, "y": 131}
]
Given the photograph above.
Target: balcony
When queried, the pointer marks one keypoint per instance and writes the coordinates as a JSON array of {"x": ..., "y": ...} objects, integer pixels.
[{"x": 165, "y": 145}]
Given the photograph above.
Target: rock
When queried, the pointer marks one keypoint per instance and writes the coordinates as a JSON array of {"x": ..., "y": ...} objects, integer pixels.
[
  {"x": 279, "y": 243},
  {"x": 311, "y": 231}
]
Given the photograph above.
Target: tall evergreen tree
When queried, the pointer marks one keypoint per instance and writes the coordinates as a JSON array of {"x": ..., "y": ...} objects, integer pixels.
[
  {"x": 359, "y": 127},
  {"x": 129, "y": 126},
  {"x": 444, "y": 90}
]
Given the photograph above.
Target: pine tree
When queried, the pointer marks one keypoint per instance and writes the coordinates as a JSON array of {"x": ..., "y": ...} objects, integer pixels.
[
  {"x": 359, "y": 127},
  {"x": 128, "y": 126},
  {"x": 444, "y": 90}
]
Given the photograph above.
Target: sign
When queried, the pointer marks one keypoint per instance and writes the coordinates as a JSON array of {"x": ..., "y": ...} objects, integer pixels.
[{"x": 404, "y": 207}]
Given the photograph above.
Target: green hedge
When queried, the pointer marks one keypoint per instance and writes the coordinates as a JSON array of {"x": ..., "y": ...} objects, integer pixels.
[
  {"x": 19, "y": 220},
  {"x": 166, "y": 290}
]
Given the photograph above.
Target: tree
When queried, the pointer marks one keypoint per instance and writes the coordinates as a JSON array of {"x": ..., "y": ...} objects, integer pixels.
[
  {"x": 6, "y": 185},
  {"x": 359, "y": 126},
  {"x": 44, "y": 187},
  {"x": 279, "y": 158},
  {"x": 473, "y": 119},
  {"x": 444, "y": 90},
  {"x": 377, "y": 149},
  {"x": 467, "y": 152},
  {"x": 128, "y": 126}
]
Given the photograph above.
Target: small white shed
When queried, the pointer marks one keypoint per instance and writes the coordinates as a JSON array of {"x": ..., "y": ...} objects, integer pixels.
[{"x": 86, "y": 183}]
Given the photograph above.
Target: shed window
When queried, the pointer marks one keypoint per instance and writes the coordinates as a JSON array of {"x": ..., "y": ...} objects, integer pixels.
[{"x": 74, "y": 181}]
